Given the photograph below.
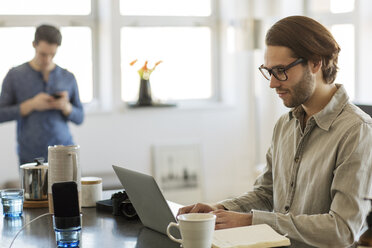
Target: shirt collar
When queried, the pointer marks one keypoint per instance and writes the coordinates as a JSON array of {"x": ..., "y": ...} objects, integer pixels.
[
  {"x": 329, "y": 113},
  {"x": 55, "y": 69}
]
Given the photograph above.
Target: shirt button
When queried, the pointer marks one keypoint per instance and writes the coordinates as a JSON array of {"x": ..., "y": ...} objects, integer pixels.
[
  {"x": 296, "y": 160},
  {"x": 292, "y": 184},
  {"x": 286, "y": 208}
]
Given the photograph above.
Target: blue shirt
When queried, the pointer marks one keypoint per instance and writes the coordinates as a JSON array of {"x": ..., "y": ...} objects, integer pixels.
[{"x": 39, "y": 129}]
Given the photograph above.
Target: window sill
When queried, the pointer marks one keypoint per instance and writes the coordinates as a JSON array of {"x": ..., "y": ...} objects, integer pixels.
[
  {"x": 172, "y": 107},
  {"x": 184, "y": 105},
  {"x": 134, "y": 105}
]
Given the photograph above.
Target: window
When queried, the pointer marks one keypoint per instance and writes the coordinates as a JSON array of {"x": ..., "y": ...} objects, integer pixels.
[
  {"x": 350, "y": 22},
  {"x": 101, "y": 38},
  {"x": 173, "y": 8},
  {"x": 345, "y": 36},
  {"x": 336, "y": 15},
  {"x": 45, "y": 7},
  {"x": 75, "y": 54},
  {"x": 180, "y": 35},
  {"x": 186, "y": 69},
  {"x": 16, "y": 46}
]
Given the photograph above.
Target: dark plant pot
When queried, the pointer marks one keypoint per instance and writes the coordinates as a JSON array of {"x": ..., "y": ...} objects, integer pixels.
[{"x": 144, "y": 96}]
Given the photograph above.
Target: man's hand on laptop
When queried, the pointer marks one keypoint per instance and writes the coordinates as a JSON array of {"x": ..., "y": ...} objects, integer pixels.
[{"x": 199, "y": 208}]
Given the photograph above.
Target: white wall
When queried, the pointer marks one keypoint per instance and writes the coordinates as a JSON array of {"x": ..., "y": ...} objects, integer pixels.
[{"x": 9, "y": 159}]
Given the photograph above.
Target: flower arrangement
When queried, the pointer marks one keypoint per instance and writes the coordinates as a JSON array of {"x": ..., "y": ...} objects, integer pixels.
[
  {"x": 144, "y": 95},
  {"x": 145, "y": 72}
]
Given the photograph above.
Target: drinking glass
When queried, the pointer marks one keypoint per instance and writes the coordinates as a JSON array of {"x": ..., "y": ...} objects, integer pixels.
[
  {"x": 12, "y": 201},
  {"x": 67, "y": 231}
]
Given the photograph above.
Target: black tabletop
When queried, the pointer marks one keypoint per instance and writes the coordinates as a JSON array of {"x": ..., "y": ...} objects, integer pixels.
[{"x": 99, "y": 229}]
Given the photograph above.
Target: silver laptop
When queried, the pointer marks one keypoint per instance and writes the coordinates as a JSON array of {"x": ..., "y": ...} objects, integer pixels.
[{"x": 144, "y": 193}]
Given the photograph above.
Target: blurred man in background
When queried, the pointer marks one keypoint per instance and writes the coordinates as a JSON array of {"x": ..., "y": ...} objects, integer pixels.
[{"x": 42, "y": 97}]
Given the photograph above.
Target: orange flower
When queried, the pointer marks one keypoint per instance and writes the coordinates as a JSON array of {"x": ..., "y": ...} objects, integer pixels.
[
  {"x": 145, "y": 72},
  {"x": 133, "y": 62}
]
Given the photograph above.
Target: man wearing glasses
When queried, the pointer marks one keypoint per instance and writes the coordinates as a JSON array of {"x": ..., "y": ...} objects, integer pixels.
[{"x": 319, "y": 164}]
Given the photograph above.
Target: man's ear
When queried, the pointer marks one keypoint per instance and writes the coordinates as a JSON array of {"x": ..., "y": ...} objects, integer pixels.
[
  {"x": 34, "y": 44},
  {"x": 315, "y": 66}
]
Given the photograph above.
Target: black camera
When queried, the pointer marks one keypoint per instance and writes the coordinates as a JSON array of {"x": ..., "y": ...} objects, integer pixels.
[{"x": 121, "y": 205}]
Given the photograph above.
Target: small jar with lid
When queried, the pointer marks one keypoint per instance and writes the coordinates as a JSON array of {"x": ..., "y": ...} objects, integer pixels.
[{"x": 91, "y": 191}]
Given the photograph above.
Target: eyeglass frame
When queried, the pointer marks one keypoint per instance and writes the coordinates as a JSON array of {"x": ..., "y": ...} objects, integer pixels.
[{"x": 285, "y": 68}]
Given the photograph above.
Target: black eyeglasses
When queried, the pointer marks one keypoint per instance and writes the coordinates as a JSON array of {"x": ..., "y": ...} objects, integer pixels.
[{"x": 279, "y": 71}]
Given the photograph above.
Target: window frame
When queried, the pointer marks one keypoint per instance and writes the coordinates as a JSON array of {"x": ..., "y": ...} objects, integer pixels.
[
  {"x": 328, "y": 19},
  {"x": 180, "y": 21}
]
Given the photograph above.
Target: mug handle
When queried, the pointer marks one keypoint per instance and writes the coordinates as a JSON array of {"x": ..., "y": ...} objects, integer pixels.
[
  {"x": 170, "y": 235},
  {"x": 74, "y": 165}
]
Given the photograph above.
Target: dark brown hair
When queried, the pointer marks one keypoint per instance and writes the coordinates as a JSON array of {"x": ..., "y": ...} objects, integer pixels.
[
  {"x": 48, "y": 33},
  {"x": 307, "y": 39}
]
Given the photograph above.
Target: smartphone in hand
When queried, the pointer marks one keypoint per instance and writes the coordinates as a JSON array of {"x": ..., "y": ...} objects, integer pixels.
[{"x": 56, "y": 96}]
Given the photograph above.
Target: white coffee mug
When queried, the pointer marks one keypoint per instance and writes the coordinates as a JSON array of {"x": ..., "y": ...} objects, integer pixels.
[{"x": 196, "y": 230}]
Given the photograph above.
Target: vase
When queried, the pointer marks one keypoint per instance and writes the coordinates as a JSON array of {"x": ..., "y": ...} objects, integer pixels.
[{"x": 144, "y": 96}]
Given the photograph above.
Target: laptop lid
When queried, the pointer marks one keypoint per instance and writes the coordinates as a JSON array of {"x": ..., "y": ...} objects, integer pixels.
[{"x": 146, "y": 197}]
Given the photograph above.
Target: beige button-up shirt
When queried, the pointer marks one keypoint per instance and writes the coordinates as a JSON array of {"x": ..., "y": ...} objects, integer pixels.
[{"x": 315, "y": 179}]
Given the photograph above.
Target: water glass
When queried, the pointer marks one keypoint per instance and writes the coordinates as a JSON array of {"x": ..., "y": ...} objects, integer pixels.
[
  {"x": 12, "y": 201},
  {"x": 67, "y": 231}
]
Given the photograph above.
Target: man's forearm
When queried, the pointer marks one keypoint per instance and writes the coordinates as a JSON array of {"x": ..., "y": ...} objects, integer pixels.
[
  {"x": 76, "y": 115},
  {"x": 331, "y": 229}
]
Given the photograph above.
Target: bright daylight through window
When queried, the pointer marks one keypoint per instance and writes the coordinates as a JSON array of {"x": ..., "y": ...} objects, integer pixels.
[
  {"x": 343, "y": 29},
  {"x": 17, "y": 34},
  {"x": 45, "y": 7},
  {"x": 179, "y": 35}
]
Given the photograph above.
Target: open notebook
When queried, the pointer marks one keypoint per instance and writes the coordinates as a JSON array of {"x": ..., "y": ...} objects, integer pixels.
[{"x": 255, "y": 236}]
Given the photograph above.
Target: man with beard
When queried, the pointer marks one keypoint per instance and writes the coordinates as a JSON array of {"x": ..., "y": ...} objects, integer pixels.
[
  {"x": 42, "y": 97},
  {"x": 318, "y": 167}
]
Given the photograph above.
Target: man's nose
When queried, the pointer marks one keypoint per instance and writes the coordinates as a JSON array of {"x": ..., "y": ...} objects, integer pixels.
[{"x": 274, "y": 83}]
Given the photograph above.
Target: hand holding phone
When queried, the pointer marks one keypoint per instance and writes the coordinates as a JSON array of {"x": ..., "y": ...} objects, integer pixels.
[{"x": 56, "y": 95}]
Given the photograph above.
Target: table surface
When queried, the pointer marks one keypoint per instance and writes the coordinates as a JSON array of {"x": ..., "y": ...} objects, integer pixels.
[{"x": 99, "y": 229}]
